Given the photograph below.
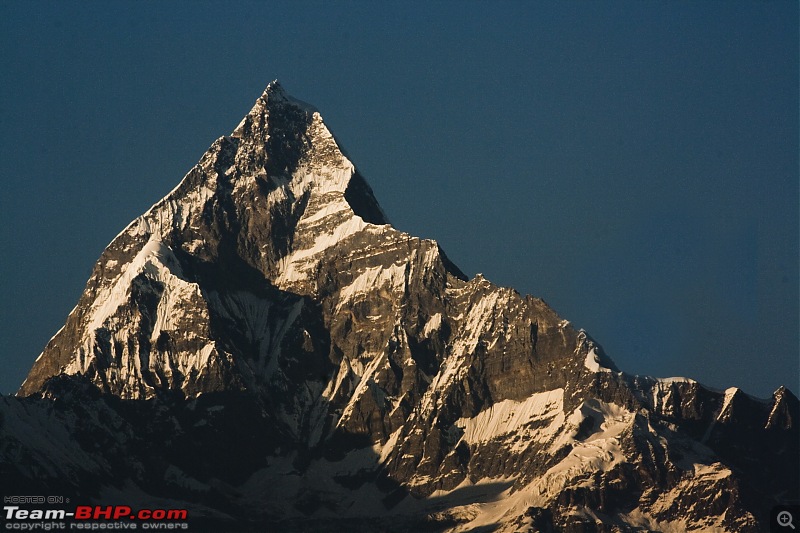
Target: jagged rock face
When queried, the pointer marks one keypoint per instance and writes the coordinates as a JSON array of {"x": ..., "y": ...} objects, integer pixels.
[
  {"x": 193, "y": 294},
  {"x": 266, "y": 309}
]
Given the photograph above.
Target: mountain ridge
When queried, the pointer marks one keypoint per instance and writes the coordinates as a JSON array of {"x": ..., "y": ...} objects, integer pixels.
[{"x": 269, "y": 278}]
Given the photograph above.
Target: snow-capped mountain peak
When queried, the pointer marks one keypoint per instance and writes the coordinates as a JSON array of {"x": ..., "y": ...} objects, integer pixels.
[{"x": 351, "y": 372}]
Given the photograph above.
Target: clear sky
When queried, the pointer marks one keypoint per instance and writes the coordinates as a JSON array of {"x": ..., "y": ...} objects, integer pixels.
[{"x": 635, "y": 164}]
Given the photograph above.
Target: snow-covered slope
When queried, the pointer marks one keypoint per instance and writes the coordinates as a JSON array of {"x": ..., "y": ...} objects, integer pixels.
[{"x": 300, "y": 361}]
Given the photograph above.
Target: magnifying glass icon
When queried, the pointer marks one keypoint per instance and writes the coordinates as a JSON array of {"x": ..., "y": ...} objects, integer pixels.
[{"x": 785, "y": 519}]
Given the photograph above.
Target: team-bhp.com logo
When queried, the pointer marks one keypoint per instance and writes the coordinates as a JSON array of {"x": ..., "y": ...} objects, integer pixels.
[
  {"x": 116, "y": 512},
  {"x": 94, "y": 517}
]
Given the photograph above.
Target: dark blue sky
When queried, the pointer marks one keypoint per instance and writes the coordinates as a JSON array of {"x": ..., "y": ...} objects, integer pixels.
[{"x": 635, "y": 164}]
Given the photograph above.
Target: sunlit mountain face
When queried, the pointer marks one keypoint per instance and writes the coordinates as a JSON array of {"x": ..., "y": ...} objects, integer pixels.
[{"x": 264, "y": 349}]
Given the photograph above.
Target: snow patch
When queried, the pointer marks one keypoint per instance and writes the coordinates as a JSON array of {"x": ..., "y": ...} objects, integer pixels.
[
  {"x": 729, "y": 394},
  {"x": 592, "y": 362},
  {"x": 509, "y": 416},
  {"x": 372, "y": 279},
  {"x": 433, "y": 324}
]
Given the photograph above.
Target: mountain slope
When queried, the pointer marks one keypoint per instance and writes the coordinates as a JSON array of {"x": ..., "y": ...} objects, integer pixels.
[{"x": 266, "y": 310}]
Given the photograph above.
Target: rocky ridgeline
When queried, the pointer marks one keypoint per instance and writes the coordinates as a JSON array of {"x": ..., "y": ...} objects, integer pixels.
[{"x": 265, "y": 347}]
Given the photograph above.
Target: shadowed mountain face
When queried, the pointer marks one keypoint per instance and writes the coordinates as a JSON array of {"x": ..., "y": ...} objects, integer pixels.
[{"x": 264, "y": 348}]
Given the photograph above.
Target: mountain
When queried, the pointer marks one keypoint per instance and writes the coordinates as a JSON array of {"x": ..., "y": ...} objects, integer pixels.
[{"x": 265, "y": 349}]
